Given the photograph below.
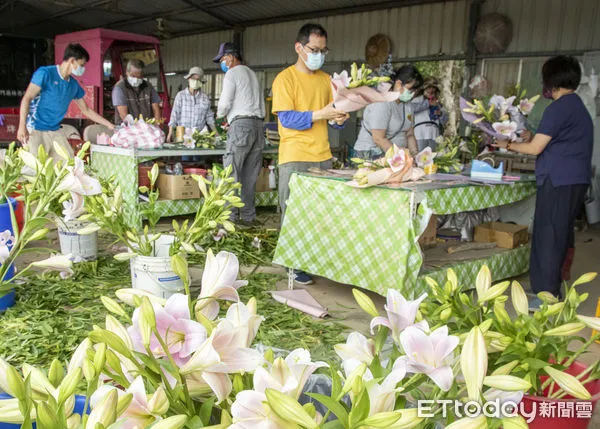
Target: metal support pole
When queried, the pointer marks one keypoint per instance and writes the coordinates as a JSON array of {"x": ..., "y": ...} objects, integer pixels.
[{"x": 474, "y": 16}]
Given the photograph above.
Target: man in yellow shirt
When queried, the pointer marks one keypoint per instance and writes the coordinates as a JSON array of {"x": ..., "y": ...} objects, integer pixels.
[{"x": 303, "y": 103}]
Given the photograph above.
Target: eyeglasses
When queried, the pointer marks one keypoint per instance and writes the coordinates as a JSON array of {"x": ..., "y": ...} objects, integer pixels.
[{"x": 315, "y": 51}]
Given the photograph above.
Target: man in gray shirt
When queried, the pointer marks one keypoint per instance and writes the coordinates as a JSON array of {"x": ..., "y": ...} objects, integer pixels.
[
  {"x": 135, "y": 96},
  {"x": 242, "y": 103}
]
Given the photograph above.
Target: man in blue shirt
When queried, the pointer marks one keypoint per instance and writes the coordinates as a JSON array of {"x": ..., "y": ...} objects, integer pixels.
[
  {"x": 563, "y": 144},
  {"x": 47, "y": 100}
]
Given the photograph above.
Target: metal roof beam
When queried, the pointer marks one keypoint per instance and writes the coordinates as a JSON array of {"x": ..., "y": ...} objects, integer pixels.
[
  {"x": 208, "y": 12},
  {"x": 167, "y": 15},
  {"x": 38, "y": 12}
]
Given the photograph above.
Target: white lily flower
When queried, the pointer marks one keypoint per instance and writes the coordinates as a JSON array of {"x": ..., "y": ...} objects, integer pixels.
[{"x": 357, "y": 347}]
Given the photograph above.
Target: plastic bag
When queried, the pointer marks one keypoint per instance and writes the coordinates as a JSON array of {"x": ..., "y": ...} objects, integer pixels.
[{"x": 137, "y": 134}]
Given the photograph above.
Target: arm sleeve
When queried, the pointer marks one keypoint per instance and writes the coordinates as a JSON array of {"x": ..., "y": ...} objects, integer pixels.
[
  {"x": 227, "y": 95},
  {"x": 295, "y": 120},
  {"x": 552, "y": 121},
  {"x": 283, "y": 95},
  {"x": 419, "y": 104},
  {"x": 39, "y": 77},
  {"x": 210, "y": 116},
  {"x": 155, "y": 97},
  {"x": 176, "y": 112},
  {"x": 80, "y": 93},
  {"x": 118, "y": 97}
]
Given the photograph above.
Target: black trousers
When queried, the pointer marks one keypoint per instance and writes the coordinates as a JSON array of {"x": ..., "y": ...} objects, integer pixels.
[{"x": 556, "y": 209}]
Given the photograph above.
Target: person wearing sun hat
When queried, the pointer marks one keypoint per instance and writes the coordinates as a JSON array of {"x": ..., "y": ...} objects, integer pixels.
[
  {"x": 242, "y": 103},
  {"x": 191, "y": 108}
]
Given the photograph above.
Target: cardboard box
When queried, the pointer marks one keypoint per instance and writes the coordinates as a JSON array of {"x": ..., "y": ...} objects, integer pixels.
[
  {"x": 262, "y": 181},
  {"x": 173, "y": 187},
  {"x": 428, "y": 239},
  {"x": 505, "y": 235}
]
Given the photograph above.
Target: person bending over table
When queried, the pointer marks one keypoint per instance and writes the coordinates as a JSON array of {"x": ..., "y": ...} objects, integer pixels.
[
  {"x": 303, "y": 103},
  {"x": 390, "y": 123},
  {"x": 563, "y": 144}
]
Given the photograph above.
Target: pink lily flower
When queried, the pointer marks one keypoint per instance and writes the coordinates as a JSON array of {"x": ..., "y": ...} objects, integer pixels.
[
  {"x": 341, "y": 80},
  {"x": 526, "y": 106},
  {"x": 401, "y": 314},
  {"x": 219, "y": 281},
  {"x": 425, "y": 157},
  {"x": 251, "y": 411},
  {"x": 506, "y": 128},
  {"x": 181, "y": 334},
  {"x": 78, "y": 181},
  {"x": 502, "y": 104},
  {"x": 219, "y": 235},
  {"x": 243, "y": 320},
  {"x": 357, "y": 347},
  {"x": 427, "y": 354},
  {"x": 398, "y": 160},
  {"x": 287, "y": 375},
  {"x": 142, "y": 411}
]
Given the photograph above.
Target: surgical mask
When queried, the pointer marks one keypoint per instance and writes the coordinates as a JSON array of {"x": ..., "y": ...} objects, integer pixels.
[
  {"x": 406, "y": 96},
  {"x": 134, "y": 81},
  {"x": 224, "y": 66},
  {"x": 79, "y": 70},
  {"x": 547, "y": 93},
  {"x": 314, "y": 61},
  {"x": 194, "y": 84}
]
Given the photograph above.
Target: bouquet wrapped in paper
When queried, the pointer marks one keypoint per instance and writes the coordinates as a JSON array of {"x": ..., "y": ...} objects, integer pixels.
[
  {"x": 139, "y": 134},
  {"x": 359, "y": 89},
  {"x": 502, "y": 118},
  {"x": 397, "y": 166}
]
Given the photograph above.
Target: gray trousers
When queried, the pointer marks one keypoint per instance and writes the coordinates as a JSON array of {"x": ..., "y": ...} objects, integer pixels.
[
  {"x": 244, "y": 151},
  {"x": 285, "y": 173},
  {"x": 422, "y": 144}
]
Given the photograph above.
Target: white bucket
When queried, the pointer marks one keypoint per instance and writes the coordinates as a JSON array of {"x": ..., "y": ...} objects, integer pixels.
[
  {"x": 81, "y": 247},
  {"x": 153, "y": 273}
]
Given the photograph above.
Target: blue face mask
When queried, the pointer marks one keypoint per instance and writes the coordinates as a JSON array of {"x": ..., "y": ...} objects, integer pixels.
[
  {"x": 79, "y": 71},
  {"x": 224, "y": 66},
  {"x": 314, "y": 61}
]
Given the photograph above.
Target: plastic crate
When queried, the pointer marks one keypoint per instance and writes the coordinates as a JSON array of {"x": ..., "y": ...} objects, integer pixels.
[{"x": 9, "y": 124}]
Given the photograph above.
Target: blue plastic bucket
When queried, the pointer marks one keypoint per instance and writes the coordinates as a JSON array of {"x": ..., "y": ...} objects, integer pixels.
[
  {"x": 8, "y": 300},
  {"x": 78, "y": 409},
  {"x": 5, "y": 220}
]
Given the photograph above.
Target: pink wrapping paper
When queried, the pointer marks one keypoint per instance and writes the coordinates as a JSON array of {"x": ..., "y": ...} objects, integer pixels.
[
  {"x": 300, "y": 300},
  {"x": 353, "y": 99}
]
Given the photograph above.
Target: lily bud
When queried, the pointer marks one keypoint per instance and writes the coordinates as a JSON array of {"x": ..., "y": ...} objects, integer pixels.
[
  {"x": 519, "y": 299},
  {"x": 547, "y": 297},
  {"x": 112, "y": 340},
  {"x": 89, "y": 229},
  {"x": 46, "y": 417},
  {"x": 105, "y": 413},
  {"x": 507, "y": 383},
  {"x": 56, "y": 373},
  {"x": 474, "y": 363},
  {"x": 365, "y": 303},
  {"x": 147, "y": 321},
  {"x": 354, "y": 378},
  {"x": 15, "y": 383},
  {"x": 128, "y": 295},
  {"x": 485, "y": 326},
  {"x": 39, "y": 234},
  {"x": 123, "y": 403},
  {"x": 74, "y": 421},
  {"x": 382, "y": 420},
  {"x": 173, "y": 422},
  {"x": 100, "y": 358},
  {"x": 452, "y": 279},
  {"x": 116, "y": 327},
  {"x": 494, "y": 292},
  {"x": 501, "y": 313},
  {"x": 153, "y": 175},
  {"x": 310, "y": 409},
  {"x": 269, "y": 355},
  {"x": 89, "y": 372},
  {"x": 483, "y": 282},
  {"x": 506, "y": 369},
  {"x": 586, "y": 278},
  {"x": 445, "y": 314},
  {"x": 464, "y": 298},
  {"x": 591, "y": 322},
  {"x": 159, "y": 403},
  {"x": 180, "y": 267},
  {"x": 238, "y": 383},
  {"x": 288, "y": 409},
  {"x": 479, "y": 422},
  {"x": 113, "y": 306},
  {"x": 68, "y": 385},
  {"x": 565, "y": 330},
  {"x": 568, "y": 383},
  {"x": 60, "y": 150},
  {"x": 554, "y": 309}
]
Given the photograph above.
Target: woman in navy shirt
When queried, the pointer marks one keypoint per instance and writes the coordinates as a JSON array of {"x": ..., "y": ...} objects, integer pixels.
[{"x": 563, "y": 144}]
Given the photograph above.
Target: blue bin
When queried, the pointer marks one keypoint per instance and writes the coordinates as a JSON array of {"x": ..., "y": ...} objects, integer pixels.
[
  {"x": 7, "y": 300},
  {"x": 79, "y": 404}
]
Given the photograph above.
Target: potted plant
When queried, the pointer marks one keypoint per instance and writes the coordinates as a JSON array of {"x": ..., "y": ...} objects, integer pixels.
[
  {"x": 37, "y": 181},
  {"x": 542, "y": 348},
  {"x": 152, "y": 252}
]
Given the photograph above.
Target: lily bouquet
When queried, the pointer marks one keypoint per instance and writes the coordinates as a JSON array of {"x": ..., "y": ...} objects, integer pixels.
[
  {"x": 503, "y": 117},
  {"x": 355, "y": 91},
  {"x": 396, "y": 166}
]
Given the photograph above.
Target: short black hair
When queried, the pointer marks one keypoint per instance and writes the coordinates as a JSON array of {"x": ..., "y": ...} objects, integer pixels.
[
  {"x": 308, "y": 29},
  {"x": 561, "y": 72},
  {"x": 407, "y": 74},
  {"x": 75, "y": 50}
]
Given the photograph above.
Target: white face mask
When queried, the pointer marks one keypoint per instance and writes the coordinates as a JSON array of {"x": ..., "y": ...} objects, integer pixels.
[
  {"x": 194, "y": 84},
  {"x": 78, "y": 70},
  {"x": 134, "y": 81}
]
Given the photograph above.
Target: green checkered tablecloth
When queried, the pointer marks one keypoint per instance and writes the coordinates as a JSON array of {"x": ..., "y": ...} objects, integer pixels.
[
  {"x": 368, "y": 237},
  {"x": 124, "y": 168}
]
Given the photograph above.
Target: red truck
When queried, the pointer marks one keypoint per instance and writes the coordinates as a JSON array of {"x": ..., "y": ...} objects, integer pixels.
[{"x": 109, "y": 52}]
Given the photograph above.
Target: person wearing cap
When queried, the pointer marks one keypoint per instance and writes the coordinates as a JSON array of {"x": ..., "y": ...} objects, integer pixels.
[
  {"x": 242, "y": 103},
  {"x": 135, "y": 96},
  {"x": 191, "y": 108},
  {"x": 303, "y": 103},
  {"x": 430, "y": 116}
]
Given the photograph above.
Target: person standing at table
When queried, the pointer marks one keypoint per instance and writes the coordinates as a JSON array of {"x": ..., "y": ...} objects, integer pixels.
[
  {"x": 47, "y": 100},
  {"x": 303, "y": 103},
  {"x": 242, "y": 103},
  {"x": 135, "y": 96},
  {"x": 429, "y": 115},
  {"x": 191, "y": 108},
  {"x": 563, "y": 143}
]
